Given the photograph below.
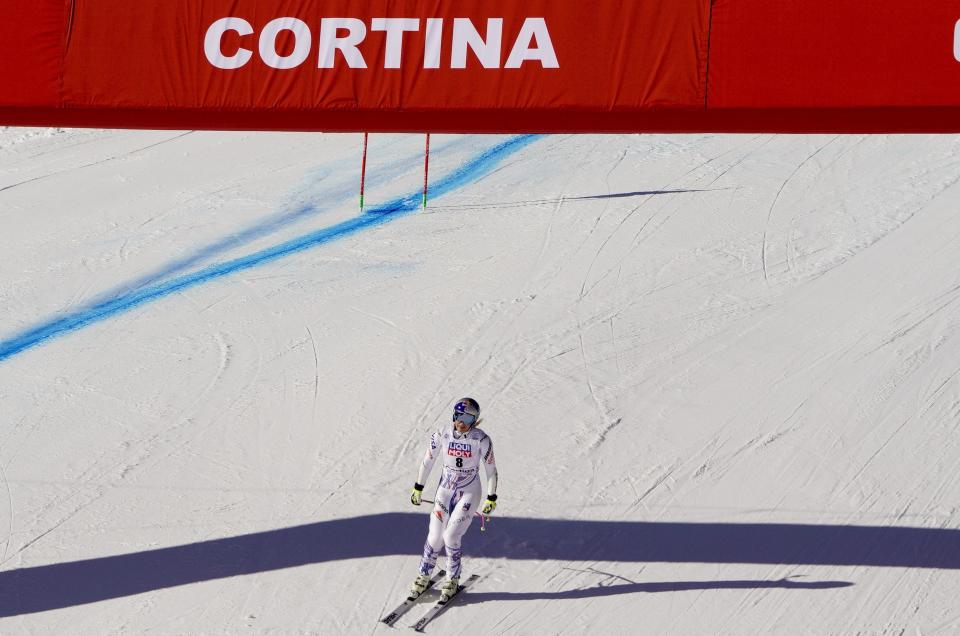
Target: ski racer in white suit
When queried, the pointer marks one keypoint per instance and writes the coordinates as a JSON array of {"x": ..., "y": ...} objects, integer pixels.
[{"x": 463, "y": 448}]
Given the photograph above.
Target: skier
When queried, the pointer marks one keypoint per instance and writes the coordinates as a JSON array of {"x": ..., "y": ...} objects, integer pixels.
[{"x": 463, "y": 448}]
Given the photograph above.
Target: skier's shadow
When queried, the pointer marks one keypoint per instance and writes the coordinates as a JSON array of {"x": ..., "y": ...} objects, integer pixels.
[
  {"x": 41, "y": 588},
  {"x": 649, "y": 588}
]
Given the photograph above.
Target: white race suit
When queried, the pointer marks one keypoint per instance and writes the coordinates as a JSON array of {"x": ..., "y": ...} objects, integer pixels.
[{"x": 458, "y": 495}]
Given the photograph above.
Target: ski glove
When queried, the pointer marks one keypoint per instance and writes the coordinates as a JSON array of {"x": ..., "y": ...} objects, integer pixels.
[
  {"x": 416, "y": 494},
  {"x": 490, "y": 505}
]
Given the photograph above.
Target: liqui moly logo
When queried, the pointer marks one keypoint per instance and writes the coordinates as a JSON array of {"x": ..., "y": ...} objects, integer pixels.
[
  {"x": 459, "y": 449},
  {"x": 339, "y": 42}
]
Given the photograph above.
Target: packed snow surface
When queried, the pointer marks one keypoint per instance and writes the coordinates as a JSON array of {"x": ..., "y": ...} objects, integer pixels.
[{"x": 721, "y": 374}]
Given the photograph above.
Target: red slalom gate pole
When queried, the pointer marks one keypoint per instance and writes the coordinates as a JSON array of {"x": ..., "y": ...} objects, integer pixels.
[
  {"x": 363, "y": 169},
  {"x": 426, "y": 171}
]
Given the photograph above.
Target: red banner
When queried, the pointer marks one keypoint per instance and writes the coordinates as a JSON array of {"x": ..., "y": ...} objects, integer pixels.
[
  {"x": 817, "y": 54},
  {"x": 32, "y": 38},
  {"x": 496, "y": 65}
]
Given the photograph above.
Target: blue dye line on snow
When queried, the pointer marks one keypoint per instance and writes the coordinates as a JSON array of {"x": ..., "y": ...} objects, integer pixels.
[
  {"x": 379, "y": 215},
  {"x": 263, "y": 228}
]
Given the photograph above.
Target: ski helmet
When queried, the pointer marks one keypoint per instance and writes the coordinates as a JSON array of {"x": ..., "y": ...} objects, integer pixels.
[{"x": 467, "y": 410}]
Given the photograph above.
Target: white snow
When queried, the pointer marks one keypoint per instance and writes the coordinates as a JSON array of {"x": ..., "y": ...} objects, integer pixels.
[{"x": 720, "y": 372}]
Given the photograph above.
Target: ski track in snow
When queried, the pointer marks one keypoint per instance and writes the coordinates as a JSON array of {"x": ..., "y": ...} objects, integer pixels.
[
  {"x": 372, "y": 218},
  {"x": 640, "y": 363}
]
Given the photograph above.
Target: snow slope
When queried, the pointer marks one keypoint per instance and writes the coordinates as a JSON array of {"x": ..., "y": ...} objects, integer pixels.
[{"x": 720, "y": 372}]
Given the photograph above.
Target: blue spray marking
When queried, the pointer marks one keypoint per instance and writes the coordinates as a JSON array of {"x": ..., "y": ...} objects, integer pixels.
[
  {"x": 380, "y": 215},
  {"x": 332, "y": 197}
]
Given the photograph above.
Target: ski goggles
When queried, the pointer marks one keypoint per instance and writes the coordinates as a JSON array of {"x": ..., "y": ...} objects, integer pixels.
[{"x": 467, "y": 418}]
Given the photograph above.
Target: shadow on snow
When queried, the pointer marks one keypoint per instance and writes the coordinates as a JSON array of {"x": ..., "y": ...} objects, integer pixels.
[
  {"x": 554, "y": 201},
  {"x": 47, "y": 587},
  {"x": 650, "y": 588}
]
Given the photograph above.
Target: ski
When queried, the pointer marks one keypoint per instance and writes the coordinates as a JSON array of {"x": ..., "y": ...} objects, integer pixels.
[
  {"x": 439, "y": 606},
  {"x": 404, "y": 607}
]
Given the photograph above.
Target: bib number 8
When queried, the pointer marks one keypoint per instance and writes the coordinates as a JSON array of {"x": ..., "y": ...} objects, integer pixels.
[{"x": 459, "y": 462}]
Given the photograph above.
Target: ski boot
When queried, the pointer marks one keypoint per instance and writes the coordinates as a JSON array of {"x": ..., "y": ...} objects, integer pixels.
[
  {"x": 449, "y": 588},
  {"x": 419, "y": 585}
]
